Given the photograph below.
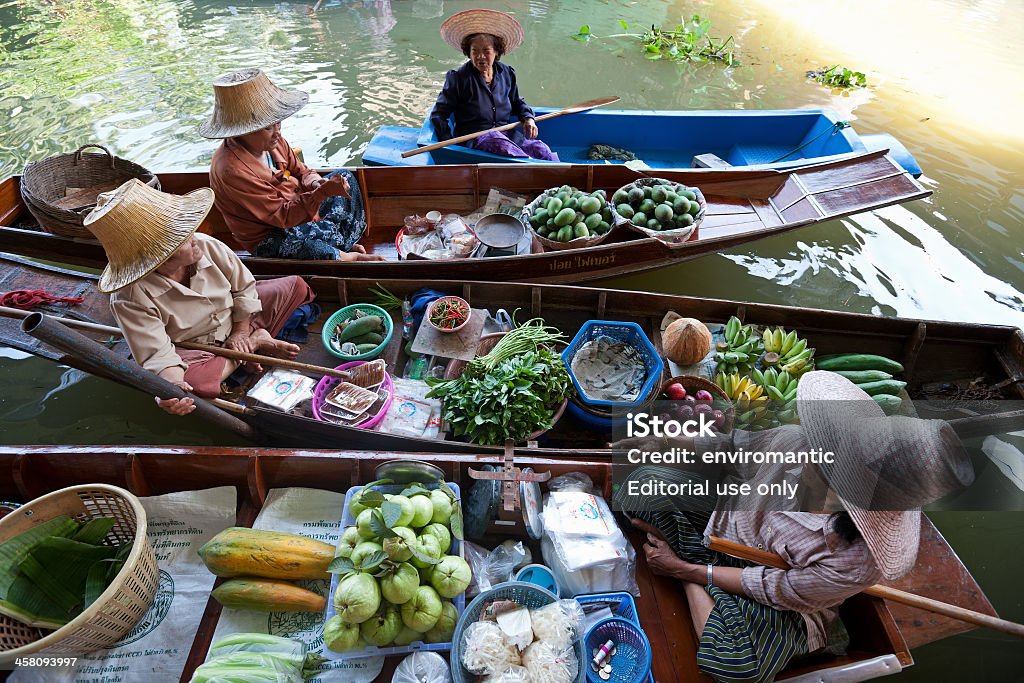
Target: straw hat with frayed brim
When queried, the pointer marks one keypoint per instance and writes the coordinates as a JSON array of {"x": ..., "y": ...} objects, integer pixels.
[
  {"x": 246, "y": 101},
  {"x": 140, "y": 228},
  {"x": 458, "y": 26},
  {"x": 885, "y": 469}
]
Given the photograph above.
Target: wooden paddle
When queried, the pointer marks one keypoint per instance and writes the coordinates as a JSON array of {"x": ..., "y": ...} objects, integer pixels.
[
  {"x": 215, "y": 350},
  {"x": 879, "y": 591},
  {"x": 574, "y": 109}
]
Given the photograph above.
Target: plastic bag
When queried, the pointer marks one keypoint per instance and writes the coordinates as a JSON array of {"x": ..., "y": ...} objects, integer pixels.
[
  {"x": 584, "y": 547},
  {"x": 260, "y": 643},
  {"x": 558, "y": 624},
  {"x": 417, "y": 225},
  {"x": 548, "y": 664},
  {"x": 485, "y": 651},
  {"x": 513, "y": 674},
  {"x": 422, "y": 667},
  {"x": 249, "y": 667},
  {"x": 421, "y": 245},
  {"x": 492, "y": 567},
  {"x": 572, "y": 481}
]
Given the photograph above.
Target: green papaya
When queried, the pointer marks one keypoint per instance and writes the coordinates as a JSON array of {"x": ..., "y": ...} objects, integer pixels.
[
  {"x": 590, "y": 206},
  {"x": 603, "y": 227},
  {"x": 564, "y": 234},
  {"x": 368, "y": 338},
  {"x": 592, "y": 221},
  {"x": 541, "y": 215},
  {"x": 581, "y": 231},
  {"x": 553, "y": 206},
  {"x": 565, "y": 217},
  {"x": 360, "y": 326},
  {"x": 366, "y": 348}
]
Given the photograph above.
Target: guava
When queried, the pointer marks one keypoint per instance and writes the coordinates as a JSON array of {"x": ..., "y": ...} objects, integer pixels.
[
  {"x": 357, "y": 598},
  {"x": 339, "y": 636},
  {"x": 429, "y": 546},
  {"x": 445, "y": 627},
  {"x": 451, "y": 576},
  {"x": 382, "y": 627},
  {"x": 407, "y": 636},
  {"x": 348, "y": 541},
  {"x": 399, "y": 586},
  {"x": 407, "y": 509},
  {"x": 441, "y": 533},
  {"x": 399, "y": 548},
  {"x": 423, "y": 610},
  {"x": 423, "y": 511},
  {"x": 363, "y": 524},
  {"x": 442, "y": 506},
  {"x": 425, "y": 573},
  {"x": 364, "y": 550}
]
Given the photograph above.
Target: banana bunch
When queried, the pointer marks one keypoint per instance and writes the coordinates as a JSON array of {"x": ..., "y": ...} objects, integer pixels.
[
  {"x": 780, "y": 388},
  {"x": 740, "y": 350},
  {"x": 786, "y": 351},
  {"x": 749, "y": 400}
]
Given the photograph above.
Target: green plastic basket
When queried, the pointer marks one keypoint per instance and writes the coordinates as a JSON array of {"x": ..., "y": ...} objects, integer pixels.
[
  {"x": 346, "y": 313},
  {"x": 526, "y": 594}
]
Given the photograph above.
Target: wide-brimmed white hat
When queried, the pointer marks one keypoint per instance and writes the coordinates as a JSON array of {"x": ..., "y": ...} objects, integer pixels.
[
  {"x": 140, "y": 228},
  {"x": 246, "y": 101},
  {"x": 471, "y": 21},
  {"x": 885, "y": 468}
]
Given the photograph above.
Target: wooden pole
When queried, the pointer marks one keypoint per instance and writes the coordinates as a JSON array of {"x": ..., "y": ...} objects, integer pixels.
[
  {"x": 768, "y": 559},
  {"x": 215, "y": 350},
  {"x": 574, "y": 109}
]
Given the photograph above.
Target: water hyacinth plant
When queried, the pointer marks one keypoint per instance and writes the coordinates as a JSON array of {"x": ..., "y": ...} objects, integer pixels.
[
  {"x": 689, "y": 41},
  {"x": 837, "y": 76}
]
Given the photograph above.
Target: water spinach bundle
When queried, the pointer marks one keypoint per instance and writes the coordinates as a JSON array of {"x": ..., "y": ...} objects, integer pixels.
[{"x": 511, "y": 392}]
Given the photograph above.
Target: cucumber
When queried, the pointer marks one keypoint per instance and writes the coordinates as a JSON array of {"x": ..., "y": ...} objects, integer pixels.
[
  {"x": 857, "y": 361},
  {"x": 366, "y": 348},
  {"x": 885, "y": 386},
  {"x": 862, "y": 376},
  {"x": 368, "y": 338},
  {"x": 360, "y": 326},
  {"x": 890, "y": 404}
]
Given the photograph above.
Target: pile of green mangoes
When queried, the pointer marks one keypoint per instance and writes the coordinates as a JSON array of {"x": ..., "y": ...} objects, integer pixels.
[
  {"x": 564, "y": 213},
  {"x": 661, "y": 206}
]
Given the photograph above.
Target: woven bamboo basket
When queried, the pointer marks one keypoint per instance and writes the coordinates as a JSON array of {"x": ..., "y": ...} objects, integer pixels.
[
  {"x": 45, "y": 182},
  {"x": 125, "y": 601}
]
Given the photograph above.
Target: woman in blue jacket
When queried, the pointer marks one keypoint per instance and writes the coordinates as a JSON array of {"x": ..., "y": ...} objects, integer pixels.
[{"x": 482, "y": 93}]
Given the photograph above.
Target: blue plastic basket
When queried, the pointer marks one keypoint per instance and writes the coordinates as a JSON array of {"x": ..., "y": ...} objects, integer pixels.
[
  {"x": 632, "y": 660},
  {"x": 525, "y": 594},
  {"x": 346, "y": 313},
  {"x": 621, "y": 604},
  {"x": 632, "y": 334},
  {"x": 370, "y": 651}
]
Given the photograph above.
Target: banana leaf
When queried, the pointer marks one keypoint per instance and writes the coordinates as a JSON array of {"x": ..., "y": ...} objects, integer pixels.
[
  {"x": 25, "y": 603},
  {"x": 95, "y": 530},
  {"x": 15, "y": 550}
]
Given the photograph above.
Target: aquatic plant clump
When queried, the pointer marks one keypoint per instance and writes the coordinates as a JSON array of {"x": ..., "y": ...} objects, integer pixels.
[
  {"x": 689, "y": 41},
  {"x": 837, "y": 76}
]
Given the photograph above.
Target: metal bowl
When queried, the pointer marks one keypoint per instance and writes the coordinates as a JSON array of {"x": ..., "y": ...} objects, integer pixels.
[
  {"x": 499, "y": 230},
  {"x": 408, "y": 471}
]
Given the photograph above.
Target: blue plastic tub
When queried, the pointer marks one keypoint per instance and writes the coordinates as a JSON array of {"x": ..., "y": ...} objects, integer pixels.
[{"x": 632, "y": 334}]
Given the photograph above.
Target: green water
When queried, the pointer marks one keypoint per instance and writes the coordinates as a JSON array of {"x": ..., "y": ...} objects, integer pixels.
[{"x": 134, "y": 74}]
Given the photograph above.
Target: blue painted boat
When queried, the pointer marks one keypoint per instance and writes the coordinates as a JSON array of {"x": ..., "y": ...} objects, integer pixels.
[{"x": 667, "y": 139}]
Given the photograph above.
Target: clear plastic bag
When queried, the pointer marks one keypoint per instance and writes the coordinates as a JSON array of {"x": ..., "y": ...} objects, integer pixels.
[
  {"x": 492, "y": 567},
  {"x": 417, "y": 225},
  {"x": 422, "y": 245},
  {"x": 260, "y": 643},
  {"x": 572, "y": 481},
  {"x": 513, "y": 674},
  {"x": 548, "y": 664},
  {"x": 485, "y": 651},
  {"x": 422, "y": 667},
  {"x": 456, "y": 235},
  {"x": 558, "y": 624}
]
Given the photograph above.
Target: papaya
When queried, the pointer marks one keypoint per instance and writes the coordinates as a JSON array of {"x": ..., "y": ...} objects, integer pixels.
[
  {"x": 565, "y": 217},
  {"x": 540, "y": 216},
  {"x": 603, "y": 227},
  {"x": 592, "y": 221},
  {"x": 606, "y": 214},
  {"x": 564, "y": 234},
  {"x": 239, "y": 551},
  {"x": 366, "y": 348},
  {"x": 563, "y": 195},
  {"x": 625, "y": 210},
  {"x": 553, "y": 206},
  {"x": 580, "y": 230},
  {"x": 359, "y": 326},
  {"x": 542, "y": 231},
  {"x": 267, "y": 595},
  {"x": 368, "y": 338},
  {"x": 590, "y": 206},
  {"x": 570, "y": 203}
]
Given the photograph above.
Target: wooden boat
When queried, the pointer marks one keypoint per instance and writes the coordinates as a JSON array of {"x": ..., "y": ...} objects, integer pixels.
[
  {"x": 936, "y": 355},
  {"x": 742, "y": 206},
  {"x": 777, "y": 139},
  {"x": 881, "y": 634}
]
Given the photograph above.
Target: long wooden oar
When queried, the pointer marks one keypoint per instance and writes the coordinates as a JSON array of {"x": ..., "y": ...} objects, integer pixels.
[
  {"x": 215, "y": 350},
  {"x": 903, "y": 597},
  {"x": 574, "y": 109}
]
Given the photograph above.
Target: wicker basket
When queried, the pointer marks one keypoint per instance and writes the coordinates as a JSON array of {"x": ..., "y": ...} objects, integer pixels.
[
  {"x": 693, "y": 384},
  {"x": 675, "y": 236},
  {"x": 488, "y": 342},
  {"x": 45, "y": 182},
  {"x": 125, "y": 601},
  {"x": 555, "y": 245},
  {"x": 525, "y": 594}
]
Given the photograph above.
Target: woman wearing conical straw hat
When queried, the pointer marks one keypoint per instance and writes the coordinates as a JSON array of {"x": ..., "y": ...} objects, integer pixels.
[
  {"x": 169, "y": 283},
  {"x": 273, "y": 204},
  {"x": 483, "y": 93},
  {"x": 852, "y": 518}
]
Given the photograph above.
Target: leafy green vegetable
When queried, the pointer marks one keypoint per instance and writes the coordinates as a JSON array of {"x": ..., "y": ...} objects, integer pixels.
[
  {"x": 515, "y": 398},
  {"x": 689, "y": 41},
  {"x": 837, "y": 76}
]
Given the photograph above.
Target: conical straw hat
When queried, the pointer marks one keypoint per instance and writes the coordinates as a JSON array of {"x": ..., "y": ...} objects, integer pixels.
[
  {"x": 246, "y": 101},
  {"x": 140, "y": 228},
  {"x": 458, "y": 26}
]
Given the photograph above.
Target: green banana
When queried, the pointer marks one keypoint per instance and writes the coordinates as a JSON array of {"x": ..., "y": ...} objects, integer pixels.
[{"x": 787, "y": 343}]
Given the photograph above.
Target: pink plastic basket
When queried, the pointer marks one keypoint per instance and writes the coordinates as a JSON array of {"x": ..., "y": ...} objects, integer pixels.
[{"x": 323, "y": 387}]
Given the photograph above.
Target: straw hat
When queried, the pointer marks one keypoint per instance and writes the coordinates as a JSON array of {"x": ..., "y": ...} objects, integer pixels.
[
  {"x": 458, "y": 26},
  {"x": 246, "y": 101},
  {"x": 140, "y": 228},
  {"x": 885, "y": 468}
]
